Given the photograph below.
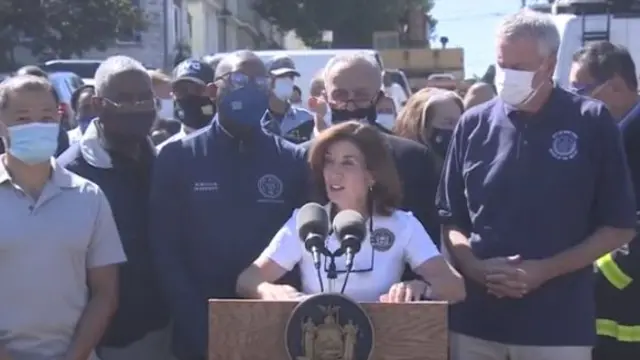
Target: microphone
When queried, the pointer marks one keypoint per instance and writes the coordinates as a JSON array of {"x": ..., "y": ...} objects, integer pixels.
[
  {"x": 349, "y": 227},
  {"x": 312, "y": 223}
]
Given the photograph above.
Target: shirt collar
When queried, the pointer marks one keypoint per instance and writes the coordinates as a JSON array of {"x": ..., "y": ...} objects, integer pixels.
[
  {"x": 632, "y": 114},
  {"x": 59, "y": 176},
  {"x": 92, "y": 150}
]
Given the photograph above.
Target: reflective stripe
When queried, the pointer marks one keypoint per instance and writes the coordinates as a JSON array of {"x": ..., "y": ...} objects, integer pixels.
[
  {"x": 612, "y": 272},
  {"x": 625, "y": 333}
]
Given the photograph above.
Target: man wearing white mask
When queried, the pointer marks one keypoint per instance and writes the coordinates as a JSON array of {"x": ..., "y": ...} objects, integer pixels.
[
  {"x": 284, "y": 119},
  {"x": 534, "y": 189}
]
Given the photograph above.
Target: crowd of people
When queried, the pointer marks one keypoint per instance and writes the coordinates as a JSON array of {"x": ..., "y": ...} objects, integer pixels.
[{"x": 115, "y": 234}]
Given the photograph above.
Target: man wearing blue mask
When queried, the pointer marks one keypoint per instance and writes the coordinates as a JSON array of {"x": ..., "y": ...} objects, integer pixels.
[
  {"x": 59, "y": 245},
  {"x": 218, "y": 196},
  {"x": 283, "y": 118},
  {"x": 193, "y": 97},
  {"x": 63, "y": 138},
  {"x": 535, "y": 188},
  {"x": 116, "y": 153}
]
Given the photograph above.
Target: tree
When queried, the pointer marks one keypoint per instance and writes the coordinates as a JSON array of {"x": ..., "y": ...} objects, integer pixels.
[
  {"x": 352, "y": 22},
  {"x": 64, "y": 28}
]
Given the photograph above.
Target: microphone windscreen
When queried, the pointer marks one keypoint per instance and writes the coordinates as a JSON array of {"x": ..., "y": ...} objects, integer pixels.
[
  {"x": 349, "y": 222},
  {"x": 312, "y": 218}
]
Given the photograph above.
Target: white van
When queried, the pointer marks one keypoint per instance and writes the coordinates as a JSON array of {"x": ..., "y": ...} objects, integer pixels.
[
  {"x": 310, "y": 62},
  {"x": 581, "y": 21}
]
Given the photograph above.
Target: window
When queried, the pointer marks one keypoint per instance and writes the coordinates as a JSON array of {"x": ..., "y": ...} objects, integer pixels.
[{"x": 130, "y": 36}]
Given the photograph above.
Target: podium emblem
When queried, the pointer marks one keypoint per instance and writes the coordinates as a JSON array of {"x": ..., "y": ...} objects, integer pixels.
[{"x": 329, "y": 327}]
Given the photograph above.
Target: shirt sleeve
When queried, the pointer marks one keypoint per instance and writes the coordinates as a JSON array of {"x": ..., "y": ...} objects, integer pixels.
[
  {"x": 285, "y": 248},
  {"x": 105, "y": 247},
  {"x": 420, "y": 247},
  {"x": 451, "y": 201},
  {"x": 614, "y": 195}
]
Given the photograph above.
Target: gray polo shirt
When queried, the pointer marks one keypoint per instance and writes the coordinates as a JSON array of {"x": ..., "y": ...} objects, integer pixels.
[{"x": 46, "y": 247}]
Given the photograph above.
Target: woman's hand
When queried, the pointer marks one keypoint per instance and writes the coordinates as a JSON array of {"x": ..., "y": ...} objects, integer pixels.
[
  {"x": 278, "y": 292},
  {"x": 406, "y": 291}
]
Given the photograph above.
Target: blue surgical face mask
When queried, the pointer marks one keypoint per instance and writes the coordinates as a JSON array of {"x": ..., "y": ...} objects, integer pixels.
[
  {"x": 33, "y": 143},
  {"x": 242, "y": 109}
]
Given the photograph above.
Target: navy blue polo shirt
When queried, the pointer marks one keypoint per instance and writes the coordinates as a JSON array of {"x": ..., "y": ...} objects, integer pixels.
[{"x": 534, "y": 185}]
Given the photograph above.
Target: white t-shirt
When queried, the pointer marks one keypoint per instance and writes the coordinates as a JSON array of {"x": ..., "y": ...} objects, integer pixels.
[{"x": 396, "y": 240}]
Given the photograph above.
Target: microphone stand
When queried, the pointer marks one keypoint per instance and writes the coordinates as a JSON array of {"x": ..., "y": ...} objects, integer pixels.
[{"x": 332, "y": 272}]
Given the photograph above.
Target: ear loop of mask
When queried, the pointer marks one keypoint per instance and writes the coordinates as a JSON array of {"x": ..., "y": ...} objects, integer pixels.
[{"x": 533, "y": 93}]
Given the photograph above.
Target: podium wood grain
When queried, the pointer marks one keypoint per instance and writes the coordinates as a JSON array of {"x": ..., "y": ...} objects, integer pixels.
[{"x": 254, "y": 330}]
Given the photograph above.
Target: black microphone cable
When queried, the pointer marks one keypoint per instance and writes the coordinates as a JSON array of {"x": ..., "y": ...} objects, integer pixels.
[
  {"x": 346, "y": 279},
  {"x": 319, "y": 275}
]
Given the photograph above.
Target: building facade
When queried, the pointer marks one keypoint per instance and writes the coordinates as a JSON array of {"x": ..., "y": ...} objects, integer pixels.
[
  {"x": 190, "y": 27},
  {"x": 227, "y": 25}
]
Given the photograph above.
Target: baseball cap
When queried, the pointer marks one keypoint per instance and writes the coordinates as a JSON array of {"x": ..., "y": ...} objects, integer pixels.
[
  {"x": 282, "y": 65},
  {"x": 193, "y": 70}
]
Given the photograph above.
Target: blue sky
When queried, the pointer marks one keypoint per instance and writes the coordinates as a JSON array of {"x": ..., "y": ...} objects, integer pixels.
[{"x": 470, "y": 24}]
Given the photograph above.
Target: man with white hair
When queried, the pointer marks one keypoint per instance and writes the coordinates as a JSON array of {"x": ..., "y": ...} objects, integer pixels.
[
  {"x": 535, "y": 188},
  {"x": 59, "y": 246},
  {"x": 352, "y": 86},
  {"x": 116, "y": 153}
]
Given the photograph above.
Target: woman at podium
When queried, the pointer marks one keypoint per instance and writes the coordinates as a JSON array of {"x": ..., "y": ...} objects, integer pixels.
[{"x": 352, "y": 167}]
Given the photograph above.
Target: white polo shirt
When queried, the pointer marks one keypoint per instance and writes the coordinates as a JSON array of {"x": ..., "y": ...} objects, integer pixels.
[
  {"x": 46, "y": 247},
  {"x": 396, "y": 240}
]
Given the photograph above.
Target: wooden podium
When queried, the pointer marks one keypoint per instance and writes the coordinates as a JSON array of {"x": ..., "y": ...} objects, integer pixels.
[{"x": 255, "y": 330}]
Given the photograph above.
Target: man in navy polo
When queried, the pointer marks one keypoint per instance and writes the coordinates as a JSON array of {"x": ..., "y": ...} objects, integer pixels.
[
  {"x": 217, "y": 198},
  {"x": 535, "y": 188}
]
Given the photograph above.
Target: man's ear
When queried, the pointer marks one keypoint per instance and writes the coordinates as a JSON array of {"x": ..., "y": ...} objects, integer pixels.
[{"x": 3, "y": 130}]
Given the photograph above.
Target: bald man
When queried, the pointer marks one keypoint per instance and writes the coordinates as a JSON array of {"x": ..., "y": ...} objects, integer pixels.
[
  {"x": 477, "y": 94},
  {"x": 218, "y": 197},
  {"x": 352, "y": 91}
]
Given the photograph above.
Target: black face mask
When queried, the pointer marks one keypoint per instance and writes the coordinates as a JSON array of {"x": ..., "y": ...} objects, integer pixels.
[
  {"x": 194, "y": 111},
  {"x": 440, "y": 139},
  {"x": 123, "y": 129},
  {"x": 368, "y": 114}
]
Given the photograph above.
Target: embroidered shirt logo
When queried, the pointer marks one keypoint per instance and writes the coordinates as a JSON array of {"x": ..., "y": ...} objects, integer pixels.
[
  {"x": 205, "y": 186},
  {"x": 271, "y": 188},
  {"x": 564, "y": 145}
]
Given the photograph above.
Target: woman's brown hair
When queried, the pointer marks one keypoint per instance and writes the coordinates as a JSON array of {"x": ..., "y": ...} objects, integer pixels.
[
  {"x": 413, "y": 121},
  {"x": 386, "y": 193}
]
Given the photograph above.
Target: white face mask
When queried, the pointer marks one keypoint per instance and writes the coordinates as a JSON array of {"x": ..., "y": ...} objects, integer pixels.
[
  {"x": 386, "y": 120},
  {"x": 514, "y": 86},
  {"x": 283, "y": 88}
]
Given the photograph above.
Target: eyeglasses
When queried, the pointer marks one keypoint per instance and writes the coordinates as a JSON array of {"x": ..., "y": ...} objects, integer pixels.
[
  {"x": 132, "y": 105},
  {"x": 238, "y": 80},
  {"x": 356, "y": 267},
  {"x": 341, "y": 98}
]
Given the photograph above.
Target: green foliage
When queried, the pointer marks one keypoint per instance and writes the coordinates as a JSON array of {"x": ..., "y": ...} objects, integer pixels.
[
  {"x": 351, "y": 21},
  {"x": 63, "y": 28}
]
